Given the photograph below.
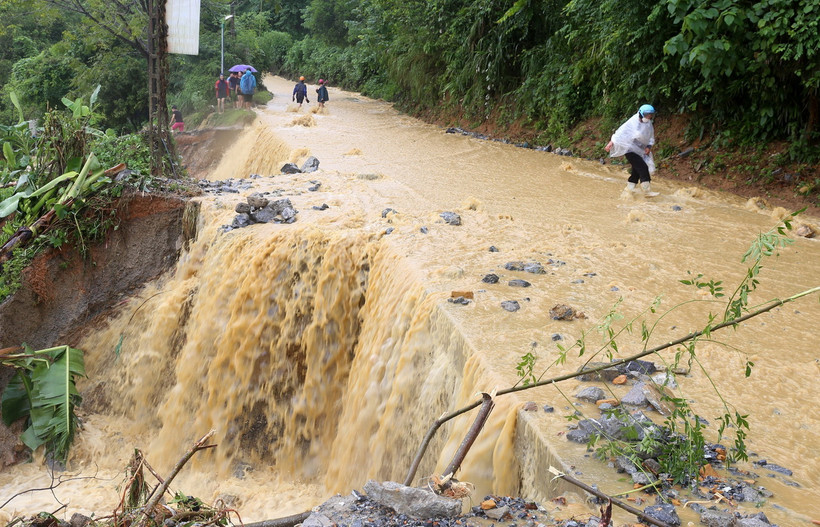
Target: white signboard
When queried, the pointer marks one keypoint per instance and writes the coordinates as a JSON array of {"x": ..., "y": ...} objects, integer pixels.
[{"x": 182, "y": 17}]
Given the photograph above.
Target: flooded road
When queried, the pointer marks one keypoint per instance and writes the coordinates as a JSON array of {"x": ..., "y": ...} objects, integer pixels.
[{"x": 321, "y": 351}]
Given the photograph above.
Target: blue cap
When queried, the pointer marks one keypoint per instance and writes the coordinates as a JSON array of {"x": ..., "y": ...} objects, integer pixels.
[{"x": 645, "y": 109}]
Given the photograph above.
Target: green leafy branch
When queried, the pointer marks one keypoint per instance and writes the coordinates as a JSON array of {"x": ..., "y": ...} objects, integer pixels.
[{"x": 44, "y": 393}]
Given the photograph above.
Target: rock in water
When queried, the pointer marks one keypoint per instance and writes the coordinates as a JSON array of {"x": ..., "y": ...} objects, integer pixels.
[
  {"x": 511, "y": 305},
  {"x": 490, "y": 278},
  {"x": 592, "y": 394},
  {"x": 562, "y": 312},
  {"x": 519, "y": 283},
  {"x": 451, "y": 218},
  {"x": 241, "y": 220},
  {"x": 414, "y": 502},
  {"x": 311, "y": 164},
  {"x": 257, "y": 201},
  {"x": 664, "y": 512},
  {"x": 263, "y": 215},
  {"x": 290, "y": 168},
  {"x": 242, "y": 208}
]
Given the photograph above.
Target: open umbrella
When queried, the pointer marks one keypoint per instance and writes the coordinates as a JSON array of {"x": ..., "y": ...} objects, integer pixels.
[{"x": 242, "y": 67}]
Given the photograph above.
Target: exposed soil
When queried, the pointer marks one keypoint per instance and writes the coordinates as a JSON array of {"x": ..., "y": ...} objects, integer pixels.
[
  {"x": 201, "y": 150},
  {"x": 62, "y": 292}
]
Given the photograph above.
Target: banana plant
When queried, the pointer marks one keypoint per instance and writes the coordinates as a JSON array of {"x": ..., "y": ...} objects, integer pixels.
[{"x": 44, "y": 393}]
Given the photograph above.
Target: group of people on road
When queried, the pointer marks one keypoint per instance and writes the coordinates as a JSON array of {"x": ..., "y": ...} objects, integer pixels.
[
  {"x": 240, "y": 88},
  {"x": 300, "y": 93}
]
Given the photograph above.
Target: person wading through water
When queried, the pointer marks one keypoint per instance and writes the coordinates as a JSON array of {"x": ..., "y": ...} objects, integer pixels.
[
  {"x": 321, "y": 93},
  {"x": 634, "y": 140},
  {"x": 300, "y": 92}
]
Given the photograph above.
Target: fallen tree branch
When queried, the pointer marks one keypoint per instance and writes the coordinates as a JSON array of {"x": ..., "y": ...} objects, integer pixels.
[
  {"x": 469, "y": 439},
  {"x": 487, "y": 405},
  {"x": 287, "y": 521},
  {"x": 160, "y": 490},
  {"x": 618, "y": 503},
  {"x": 729, "y": 323}
]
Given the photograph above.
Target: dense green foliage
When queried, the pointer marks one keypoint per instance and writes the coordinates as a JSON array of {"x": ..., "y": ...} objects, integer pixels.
[
  {"x": 745, "y": 69},
  {"x": 44, "y": 393}
]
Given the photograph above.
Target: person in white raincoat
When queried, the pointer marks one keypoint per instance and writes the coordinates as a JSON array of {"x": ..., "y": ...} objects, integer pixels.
[{"x": 634, "y": 139}]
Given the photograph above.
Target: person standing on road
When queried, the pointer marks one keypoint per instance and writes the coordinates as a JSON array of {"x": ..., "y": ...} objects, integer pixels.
[
  {"x": 221, "y": 88},
  {"x": 247, "y": 85},
  {"x": 176, "y": 120},
  {"x": 634, "y": 140},
  {"x": 300, "y": 92},
  {"x": 233, "y": 84},
  {"x": 321, "y": 93}
]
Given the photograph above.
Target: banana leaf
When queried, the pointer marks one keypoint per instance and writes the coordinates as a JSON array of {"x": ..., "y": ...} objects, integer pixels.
[
  {"x": 52, "y": 398},
  {"x": 9, "y": 205}
]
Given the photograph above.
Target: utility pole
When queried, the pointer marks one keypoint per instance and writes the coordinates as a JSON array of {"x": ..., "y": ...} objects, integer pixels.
[{"x": 158, "y": 72}]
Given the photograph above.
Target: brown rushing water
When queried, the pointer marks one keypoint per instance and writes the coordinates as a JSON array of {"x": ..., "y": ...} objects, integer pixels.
[{"x": 321, "y": 351}]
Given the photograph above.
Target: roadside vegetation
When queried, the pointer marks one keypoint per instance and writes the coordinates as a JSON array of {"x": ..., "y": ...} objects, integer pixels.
[{"x": 743, "y": 77}]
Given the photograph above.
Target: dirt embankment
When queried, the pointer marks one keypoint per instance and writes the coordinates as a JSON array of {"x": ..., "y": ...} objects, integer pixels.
[
  {"x": 201, "y": 150},
  {"x": 62, "y": 292}
]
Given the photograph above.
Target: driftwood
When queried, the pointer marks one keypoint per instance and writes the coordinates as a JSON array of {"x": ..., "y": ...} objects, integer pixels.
[
  {"x": 26, "y": 234},
  {"x": 160, "y": 490},
  {"x": 628, "y": 508},
  {"x": 287, "y": 521}
]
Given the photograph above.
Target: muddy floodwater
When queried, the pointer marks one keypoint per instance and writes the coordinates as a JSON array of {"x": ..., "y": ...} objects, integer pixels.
[{"x": 321, "y": 351}]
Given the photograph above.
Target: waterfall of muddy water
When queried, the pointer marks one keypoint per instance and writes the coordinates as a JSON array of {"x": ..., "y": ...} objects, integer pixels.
[{"x": 322, "y": 351}]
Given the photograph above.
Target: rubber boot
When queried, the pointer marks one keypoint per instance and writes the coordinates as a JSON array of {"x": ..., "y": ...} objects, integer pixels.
[
  {"x": 630, "y": 187},
  {"x": 647, "y": 190}
]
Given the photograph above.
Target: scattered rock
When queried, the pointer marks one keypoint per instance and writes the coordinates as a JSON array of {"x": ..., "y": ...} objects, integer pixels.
[
  {"x": 497, "y": 513},
  {"x": 530, "y": 406},
  {"x": 315, "y": 187},
  {"x": 493, "y": 249},
  {"x": 389, "y": 230},
  {"x": 609, "y": 374},
  {"x": 242, "y": 208},
  {"x": 664, "y": 512},
  {"x": 490, "y": 278},
  {"x": 591, "y": 394},
  {"x": 805, "y": 231},
  {"x": 263, "y": 215},
  {"x": 773, "y": 467},
  {"x": 716, "y": 518},
  {"x": 562, "y": 312},
  {"x": 459, "y": 300},
  {"x": 414, "y": 502},
  {"x": 323, "y": 207},
  {"x": 79, "y": 520},
  {"x": 424, "y": 230},
  {"x": 387, "y": 211},
  {"x": 290, "y": 168},
  {"x": 311, "y": 164},
  {"x": 635, "y": 397},
  {"x": 511, "y": 305},
  {"x": 549, "y": 409},
  {"x": 451, "y": 218},
  {"x": 639, "y": 366},
  {"x": 556, "y": 337},
  {"x": 257, "y": 201},
  {"x": 531, "y": 267},
  {"x": 241, "y": 220},
  {"x": 518, "y": 283}
]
